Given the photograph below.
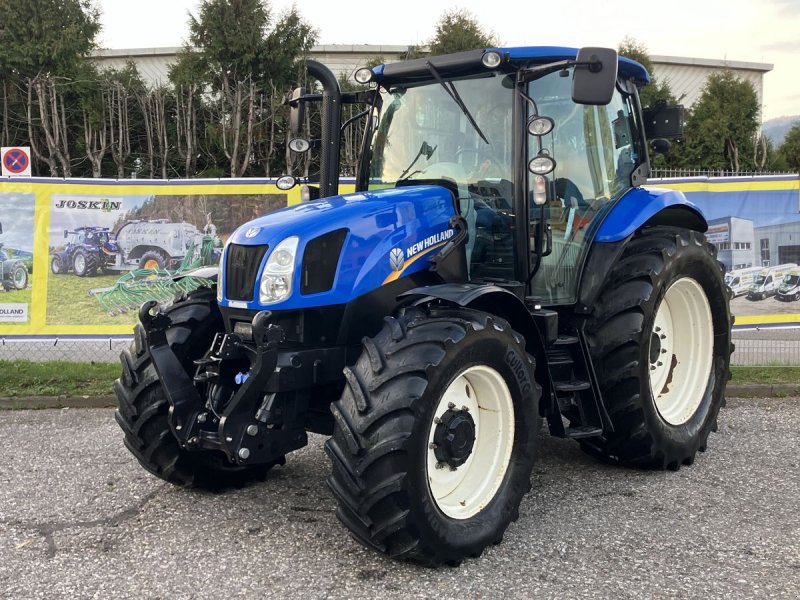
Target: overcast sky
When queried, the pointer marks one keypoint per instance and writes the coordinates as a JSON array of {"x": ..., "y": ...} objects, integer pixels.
[
  {"x": 745, "y": 30},
  {"x": 17, "y": 220}
]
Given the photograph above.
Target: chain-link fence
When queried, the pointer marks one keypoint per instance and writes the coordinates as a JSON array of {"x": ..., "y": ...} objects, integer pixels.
[
  {"x": 63, "y": 349},
  {"x": 683, "y": 173},
  {"x": 771, "y": 347}
]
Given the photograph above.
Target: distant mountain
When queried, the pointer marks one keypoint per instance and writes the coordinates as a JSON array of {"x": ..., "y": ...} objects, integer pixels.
[{"x": 776, "y": 129}]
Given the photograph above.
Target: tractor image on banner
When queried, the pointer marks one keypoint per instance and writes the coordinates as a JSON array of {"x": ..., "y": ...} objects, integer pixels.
[{"x": 499, "y": 265}]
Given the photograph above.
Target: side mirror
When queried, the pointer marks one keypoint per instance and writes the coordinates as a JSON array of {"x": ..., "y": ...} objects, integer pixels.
[
  {"x": 66, "y": 234},
  {"x": 593, "y": 83},
  {"x": 662, "y": 121},
  {"x": 297, "y": 111}
]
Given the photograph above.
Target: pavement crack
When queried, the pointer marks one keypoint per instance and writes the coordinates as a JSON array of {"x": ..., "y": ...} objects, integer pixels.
[{"x": 47, "y": 530}]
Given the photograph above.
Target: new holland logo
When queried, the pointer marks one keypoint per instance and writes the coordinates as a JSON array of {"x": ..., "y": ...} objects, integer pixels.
[
  {"x": 252, "y": 232},
  {"x": 397, "y": 259}
]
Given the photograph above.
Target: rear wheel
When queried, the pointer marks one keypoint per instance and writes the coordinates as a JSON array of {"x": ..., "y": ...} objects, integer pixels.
[
  {"x": 143, "y": 406},
  {"x": 434, "y": 436},
  {"x": 660, "y": 342},
  {"x": 84, "y": 263},
  {"x": 19, "y": 276}
]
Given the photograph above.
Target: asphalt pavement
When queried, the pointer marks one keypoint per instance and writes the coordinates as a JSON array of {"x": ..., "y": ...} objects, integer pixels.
[{"x": 80, "y": 519}]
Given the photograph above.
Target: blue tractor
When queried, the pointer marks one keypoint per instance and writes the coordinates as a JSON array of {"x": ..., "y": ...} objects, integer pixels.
[
  {"x": 500, "y": 264},
  {"x": 87, "y": 251},
  {"x": 13, "y": 272}
]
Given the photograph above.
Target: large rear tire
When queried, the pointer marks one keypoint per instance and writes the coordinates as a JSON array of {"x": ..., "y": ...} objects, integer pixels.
[
  {"x": 434, "y": 436},
  {"x": 84, "y": 264},
  {"x": 660, "y": 342},
  {"x": 19, "y": 277},
  {"x": 143, "y": 406}
]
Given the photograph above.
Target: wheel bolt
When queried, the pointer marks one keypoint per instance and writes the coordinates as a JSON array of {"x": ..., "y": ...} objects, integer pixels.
[
  {"x": 437, "y": 420},
  {"x": 433, "y": 445},
  {"x": 244, "y": 453},
  {"x": 658, "y": 329},
  {"x": 663, "y": 337},
  {"x": 663, "y": 351},
  {"x": 465, "y": 408},
  {"x": 201, "y": 418},
  {"x": 452, "y": 468},
  {"x": 440, "y": 465},
  {"x": 652, "y": 367},
  {"x": 450, "y": 405},
  {"x": 660, "y": 364},
  {"x": 252, "y": 430}
]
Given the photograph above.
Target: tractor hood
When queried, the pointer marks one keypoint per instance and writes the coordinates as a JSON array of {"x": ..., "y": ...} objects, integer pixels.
[{"x": 379, "y": 237}]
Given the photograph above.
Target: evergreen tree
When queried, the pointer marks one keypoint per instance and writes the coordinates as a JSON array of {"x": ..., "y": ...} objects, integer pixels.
[
  {"x": 721, "y": 128},
  {"x": 458, "y": 30}
]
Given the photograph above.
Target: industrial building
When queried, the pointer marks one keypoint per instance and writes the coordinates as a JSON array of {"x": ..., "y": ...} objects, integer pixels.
[
  {"x": 735, "y": 241},
  {"x": 778, "y": 244},
  {"x": 685, "y": 76},
  {"x": 741, "y": 245}
]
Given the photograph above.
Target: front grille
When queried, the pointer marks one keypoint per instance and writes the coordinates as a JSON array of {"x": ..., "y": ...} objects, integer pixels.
[
  {"x": 320, "y": 259},
  {"x": 241, "y": 269}
]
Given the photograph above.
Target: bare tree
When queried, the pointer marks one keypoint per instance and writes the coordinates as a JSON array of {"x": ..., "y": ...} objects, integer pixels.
[
  {"x": 95, "y": 133},
  {"x": 53, "y": 122},
  {"x": 237, "y": 117},
  {"x": 119, "y": 126},
  {"x": 186, "y": 119}
]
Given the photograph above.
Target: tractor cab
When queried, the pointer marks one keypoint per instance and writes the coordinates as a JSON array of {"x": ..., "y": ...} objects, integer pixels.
[{"x": 535, "y": 145}]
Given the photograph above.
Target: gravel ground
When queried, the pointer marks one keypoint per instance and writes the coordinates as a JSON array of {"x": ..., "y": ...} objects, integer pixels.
[{"x": 80, "y": 519}]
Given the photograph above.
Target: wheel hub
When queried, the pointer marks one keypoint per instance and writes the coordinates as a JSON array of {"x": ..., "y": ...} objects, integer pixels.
[{"x": 454, "y": 437}]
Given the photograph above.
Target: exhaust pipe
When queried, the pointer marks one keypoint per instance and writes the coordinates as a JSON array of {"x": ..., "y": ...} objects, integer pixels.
[{"x": 331, "y": 124}]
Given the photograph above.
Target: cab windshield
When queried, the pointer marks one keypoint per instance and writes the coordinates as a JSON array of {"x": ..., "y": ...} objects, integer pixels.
[
  {"x": 761, "y": 279},
  {"x": 423, "y": 136},
  {"x": 791, "y": 280}
]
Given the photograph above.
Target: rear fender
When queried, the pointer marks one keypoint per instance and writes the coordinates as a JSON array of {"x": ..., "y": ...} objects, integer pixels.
[
  {"x": 648, "y": 207},
  {"x": 639, "y": 208}
]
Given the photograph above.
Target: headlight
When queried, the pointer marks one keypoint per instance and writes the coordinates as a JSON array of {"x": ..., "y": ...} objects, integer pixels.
[
  {"x": 220, "y": 275},
  {"x": 276, "y": 281}
]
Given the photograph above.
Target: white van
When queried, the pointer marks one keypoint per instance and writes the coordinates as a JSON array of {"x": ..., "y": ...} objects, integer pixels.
[
  {"x": 790, "y": 286},
  {"x": 768, "y": 281},
  {"x": 740, "y": 280}
]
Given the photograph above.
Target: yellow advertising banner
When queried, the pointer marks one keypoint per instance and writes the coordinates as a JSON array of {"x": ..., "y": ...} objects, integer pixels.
[{"x": 78, "y": 256}]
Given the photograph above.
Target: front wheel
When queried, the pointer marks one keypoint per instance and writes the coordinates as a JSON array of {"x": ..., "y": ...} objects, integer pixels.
[
  {"x": 660, "y": 343},
  {"x": 434, "y": 435},
  {"x": 143, "y": 411},
  {"x": 56, "y": 266}
]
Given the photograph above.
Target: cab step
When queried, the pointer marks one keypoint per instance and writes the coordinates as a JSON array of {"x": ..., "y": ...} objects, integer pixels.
[
  {"x": 570, "y": 387},
  {"x": 581, "y": 432}
]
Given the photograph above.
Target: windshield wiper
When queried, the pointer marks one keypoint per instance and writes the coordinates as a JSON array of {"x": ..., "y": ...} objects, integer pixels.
[
  {"x": 425, "y": 149},
  {"x": 453, "y": 93}
]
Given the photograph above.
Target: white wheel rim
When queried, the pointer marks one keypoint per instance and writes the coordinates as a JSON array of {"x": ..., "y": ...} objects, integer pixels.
[
  {"x": 681, "y": 351},
  {"x": 19, "y": 278},
  {"x": 464, "y": 492},
  {"x": 79, "y": 263}
]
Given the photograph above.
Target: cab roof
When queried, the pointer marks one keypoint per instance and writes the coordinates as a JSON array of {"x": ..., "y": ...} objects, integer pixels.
[{"x": 464, "y": 63}]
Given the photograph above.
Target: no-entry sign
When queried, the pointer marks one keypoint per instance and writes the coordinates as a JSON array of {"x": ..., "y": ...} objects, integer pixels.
[{"x": 16, "y": 162}]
